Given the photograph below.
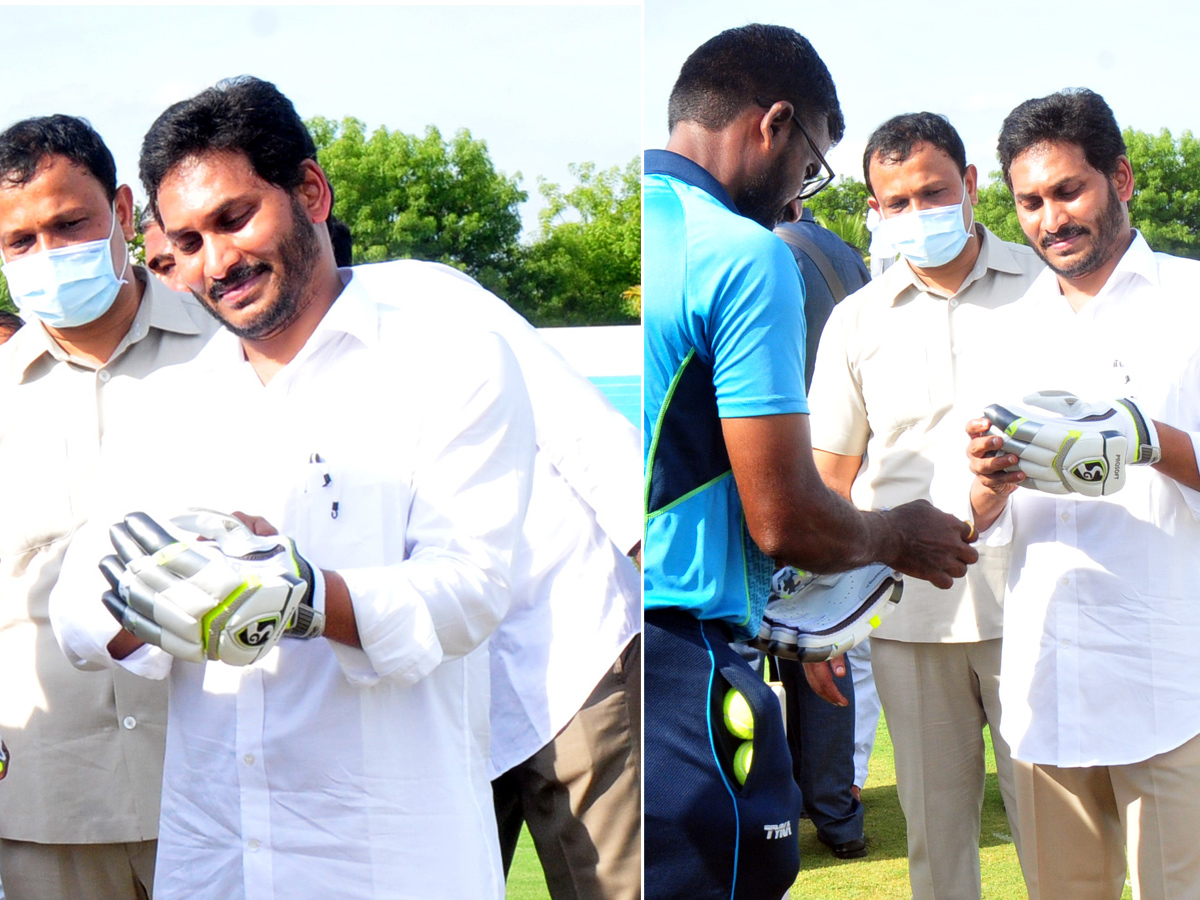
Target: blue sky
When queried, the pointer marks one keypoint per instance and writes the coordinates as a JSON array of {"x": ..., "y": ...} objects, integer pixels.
[
  {"x": 970, "y": 61},
  {"x": 543, "y": 85}
]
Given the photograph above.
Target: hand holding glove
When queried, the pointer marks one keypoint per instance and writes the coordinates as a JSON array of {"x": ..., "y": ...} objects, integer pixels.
[
  {"x": 231, "y": 598},
  {"x": 1084, "y": 448}
]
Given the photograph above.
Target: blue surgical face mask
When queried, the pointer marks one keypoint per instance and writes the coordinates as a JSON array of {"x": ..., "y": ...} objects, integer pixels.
[
  {"x": 927, "y": 238},
  {"x": 67, "y": 286}
]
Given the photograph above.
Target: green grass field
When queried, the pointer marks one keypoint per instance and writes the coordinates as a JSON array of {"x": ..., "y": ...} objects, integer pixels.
[
  {"x": 883, "y": 873},
  {"x": 525, "y": 880}
]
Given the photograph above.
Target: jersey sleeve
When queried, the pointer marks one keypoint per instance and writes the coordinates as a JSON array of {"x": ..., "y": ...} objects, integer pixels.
[{"x": 757, "y": 334}]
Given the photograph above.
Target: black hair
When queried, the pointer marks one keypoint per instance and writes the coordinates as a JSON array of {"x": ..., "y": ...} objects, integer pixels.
[
  {"x": 240, "y": 115},
  {"x": 144, "y": 220},
  {"x": 1072, "y": 116},
  {"x": 744, "y": 66},
  {"x": 10, "y": 322},
  {"x": 894, "y": 140},
  {"x": 24, "y": 145},
  {"x": 342, "y": 241}
]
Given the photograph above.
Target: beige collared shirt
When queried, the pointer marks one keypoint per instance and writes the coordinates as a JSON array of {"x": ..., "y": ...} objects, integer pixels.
[
  {"x": 86, "y": 746},
  {"x": 900, "y": 369}
]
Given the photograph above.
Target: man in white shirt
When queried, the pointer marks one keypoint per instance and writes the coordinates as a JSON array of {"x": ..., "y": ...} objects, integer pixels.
[
  {"x": 899, "y": 368},
  {"x": 353, "y": 764},
  {"x": 79, "y": 813},
  {"x": 1100, "y": 666},
  {"x": 565, "y": 662}
]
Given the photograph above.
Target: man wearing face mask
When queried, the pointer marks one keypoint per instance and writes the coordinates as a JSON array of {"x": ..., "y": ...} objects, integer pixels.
[
  {"x": 899, "y": 369},
  {"x": 79, "y": 813}
]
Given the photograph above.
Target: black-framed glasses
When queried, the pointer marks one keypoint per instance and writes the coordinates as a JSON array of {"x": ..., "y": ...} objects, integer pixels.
[{"x": 819, "y": 180}]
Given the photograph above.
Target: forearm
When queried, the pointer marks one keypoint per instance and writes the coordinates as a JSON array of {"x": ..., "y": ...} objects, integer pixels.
[
  {"x": 340, "y": 624},
  {"x": 1178, "y": 456}
]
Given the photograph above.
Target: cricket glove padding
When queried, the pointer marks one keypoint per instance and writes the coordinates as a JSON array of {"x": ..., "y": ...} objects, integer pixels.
[
  {"x": 229, "y": 599},
  {"x": 816, "y": 617},
  {"x": 1085, "y": 448}
]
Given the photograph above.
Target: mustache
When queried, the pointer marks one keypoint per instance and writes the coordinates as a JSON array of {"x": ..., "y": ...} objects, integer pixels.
[
  {"x": 1067, "y": 231},
  {"x": 235, "y": 278}
]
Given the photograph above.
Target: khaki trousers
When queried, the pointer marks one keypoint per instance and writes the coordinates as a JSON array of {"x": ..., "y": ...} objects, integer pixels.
[
  {"x": 1076, "y": 825},
  {"x": 937, "y": 698},
  {"x": 581, "y": 794},
  {"x": 32, "y": 871}
]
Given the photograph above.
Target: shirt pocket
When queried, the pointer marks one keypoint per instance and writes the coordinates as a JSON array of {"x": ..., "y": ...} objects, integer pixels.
[{"x": 350, "y": 512}]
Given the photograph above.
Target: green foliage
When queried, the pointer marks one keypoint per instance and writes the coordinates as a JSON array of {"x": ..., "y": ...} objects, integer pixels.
[
  {"x": 1166, "y": 198},
  {"x": 850, "y": 227},
  {"x": 585, "y": 266},
  {"x": 848, "y": 196},
  {"x": 406, "y": 196},
  {"x": 997, "y": 211},
  {"x": 5, "y": 297},
  {"x": 842, "y": 208}
]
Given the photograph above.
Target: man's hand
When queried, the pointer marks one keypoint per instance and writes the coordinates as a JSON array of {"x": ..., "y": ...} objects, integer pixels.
[
  {"x": 933, "y": 546},
  {"x": 231, "y": 600},
  {"x": 995, "y": 477},
  {"x": 820, "y": 677}
]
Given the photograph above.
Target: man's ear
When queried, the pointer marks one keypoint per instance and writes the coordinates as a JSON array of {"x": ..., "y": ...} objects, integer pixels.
[
  {"x": 314, "y": 192},
  {"x": 1122, "y": 179},
  {"x": 774, "y": 122},
  {"x": 124, "y": 205},
  {"x": 972, "y": 180}
]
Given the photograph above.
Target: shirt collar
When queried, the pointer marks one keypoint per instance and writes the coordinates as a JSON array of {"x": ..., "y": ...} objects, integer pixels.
[
  {"x": 160, "y": 308},
  {"x": 353, "y": 313},
  {"x": 671, "y": 164},
  {"x": 1137, "y": 261},
  {"x": 993, "y": 254}
]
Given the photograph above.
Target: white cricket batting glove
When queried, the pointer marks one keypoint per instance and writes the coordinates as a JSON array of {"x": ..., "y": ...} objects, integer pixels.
[
  {"x": 1083, "y": 449},
  {"x": 816, "y": 617},
  {"x": 229, "y": 599}
]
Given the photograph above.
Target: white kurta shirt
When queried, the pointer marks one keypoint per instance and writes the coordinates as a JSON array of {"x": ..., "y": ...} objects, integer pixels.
[
  {"x": 326, "y": 771},
  {"x": 1100, "y": 662},
  {"x": 576, "y": 595}
]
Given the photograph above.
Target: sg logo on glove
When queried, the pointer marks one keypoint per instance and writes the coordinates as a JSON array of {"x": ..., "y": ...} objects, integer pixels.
[{"x": 229, "y": 598}]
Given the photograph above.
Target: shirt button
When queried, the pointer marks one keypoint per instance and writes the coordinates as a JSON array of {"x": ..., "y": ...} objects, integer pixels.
[
  {"x": 129, "y": 722},
  {"x": 1065, "y": 581},
  {"x": 252, "y": 845},
  {"x": 104, "y": 376},
  {"x": 1066, "y": 517},
  {"x": 1064, "y": 644},
  {"x": 953, "y": 304},
  {"x": 249, "y": 758}
]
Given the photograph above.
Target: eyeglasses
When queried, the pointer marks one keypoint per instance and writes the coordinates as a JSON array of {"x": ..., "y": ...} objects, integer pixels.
[{"x": 820, "y": 179}]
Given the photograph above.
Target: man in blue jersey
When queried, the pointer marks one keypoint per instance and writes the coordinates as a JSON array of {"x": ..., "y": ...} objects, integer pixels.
[{"x": 730, "y": 481}]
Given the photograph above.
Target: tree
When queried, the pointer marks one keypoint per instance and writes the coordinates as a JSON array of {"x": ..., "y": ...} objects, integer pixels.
[
  {"x": 1165, "y": 205},
  {"x": 425, "y": 197},
  {"x": 849, "y": 196},
  {"x": 997, "y": 211},
  {"x": 585, "y": 266}
]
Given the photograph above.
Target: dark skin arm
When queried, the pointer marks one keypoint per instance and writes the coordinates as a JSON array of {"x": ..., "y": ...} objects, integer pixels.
[{"x": 796, "y": 519}]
